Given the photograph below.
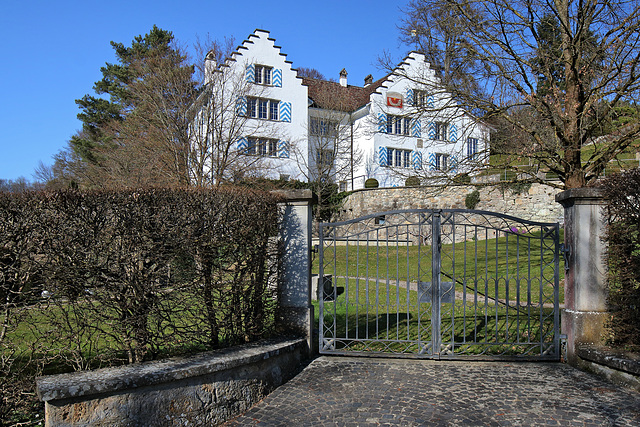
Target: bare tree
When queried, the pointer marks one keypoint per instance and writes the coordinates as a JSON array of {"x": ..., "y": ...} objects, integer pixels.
[{"x": 593, "y": 70}]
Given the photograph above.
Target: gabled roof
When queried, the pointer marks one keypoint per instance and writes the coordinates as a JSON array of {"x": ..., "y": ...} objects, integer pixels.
[{"x": 333, "y": 96}]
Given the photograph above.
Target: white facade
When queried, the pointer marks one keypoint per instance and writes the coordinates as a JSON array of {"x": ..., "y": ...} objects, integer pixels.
[
  {"x": 389, "y": 130},
  {"x": 417, "y": 129}
]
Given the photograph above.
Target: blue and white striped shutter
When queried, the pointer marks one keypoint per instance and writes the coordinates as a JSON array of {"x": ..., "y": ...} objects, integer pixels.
[
  {"x": 453, "y": 164},
  {"x": 453, "y": 132},
  {"x": 432, "y": 161},
  {"x": 417, "y": 160},
  {"x": 430, "y": 101},
  {"x": 276, "y": 77},
  {"x": 250, "y": 74},
  {"x": 283, "y": 149},
  {"x": 241, "y": 106},
  {"x": 382, "y": 122},
  {"x": 382, "y": 156},
  {"x": 243, "y": 143},
  {"x": 432, "y": 130},
  {"x": 416, "y": 128},
  {"x": 409, "y": 96},
  {"x": 284, "y": 111}
]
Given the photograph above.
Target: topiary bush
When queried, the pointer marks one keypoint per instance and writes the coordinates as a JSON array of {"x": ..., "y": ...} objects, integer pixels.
[
  {"x": 412, "y": 181},
  {"x": 371, "y": 183}
]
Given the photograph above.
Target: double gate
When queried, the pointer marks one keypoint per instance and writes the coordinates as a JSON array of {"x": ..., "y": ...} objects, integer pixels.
[{"x": 441, "y": 284}]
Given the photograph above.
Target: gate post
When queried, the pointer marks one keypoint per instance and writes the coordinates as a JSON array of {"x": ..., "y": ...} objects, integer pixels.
[
  {"x": 585, "y": 292},
  {"x": 294, "y": 288}
]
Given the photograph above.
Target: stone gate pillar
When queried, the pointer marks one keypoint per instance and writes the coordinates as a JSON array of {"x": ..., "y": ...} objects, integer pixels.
[
  {"x": 585, "y": 292},
  {"x": 294, "y": 289}
]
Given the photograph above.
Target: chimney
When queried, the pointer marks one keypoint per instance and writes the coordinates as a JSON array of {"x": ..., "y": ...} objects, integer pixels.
[
  {"x": 368, "y": 80},
  {"x": 343, "y": 78},
  {"x": 210, "y": 66}
]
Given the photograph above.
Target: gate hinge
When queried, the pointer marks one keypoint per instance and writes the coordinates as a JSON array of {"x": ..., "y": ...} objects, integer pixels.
[
  {"x": 315, "y": 249},
  {"x": 566, "y": 251}
]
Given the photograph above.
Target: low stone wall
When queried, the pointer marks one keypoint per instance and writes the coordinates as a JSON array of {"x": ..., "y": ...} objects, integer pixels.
[
  {"x": 536, "y": 203},
  {"x": 618, "y": 367},
  {"x": 204, "y": 389}
]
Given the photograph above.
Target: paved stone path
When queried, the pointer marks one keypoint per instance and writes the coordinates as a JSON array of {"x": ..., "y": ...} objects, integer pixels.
[{"x": 341, "y": 391}]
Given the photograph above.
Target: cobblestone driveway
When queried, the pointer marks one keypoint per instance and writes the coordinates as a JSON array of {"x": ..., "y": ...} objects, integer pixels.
[{"x": 369, "y": 392}]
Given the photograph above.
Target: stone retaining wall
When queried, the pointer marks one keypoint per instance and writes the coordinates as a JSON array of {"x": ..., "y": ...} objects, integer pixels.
[
  {"x": 536, "y": 203},
  {"x": 615, "y": 366},
  {"x": 204, "y": 389}
]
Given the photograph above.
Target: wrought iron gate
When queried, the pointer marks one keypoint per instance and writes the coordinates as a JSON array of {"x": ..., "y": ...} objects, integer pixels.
[{"x": 441, "y": 284}]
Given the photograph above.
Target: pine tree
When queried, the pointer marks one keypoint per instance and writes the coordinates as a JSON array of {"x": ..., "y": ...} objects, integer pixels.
[{"x": 114, "y": 98}]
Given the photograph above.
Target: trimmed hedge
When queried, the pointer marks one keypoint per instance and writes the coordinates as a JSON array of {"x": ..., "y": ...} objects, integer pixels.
[
  {"x": 92, "y": 279},
  {"x": 623, "y": 258}
]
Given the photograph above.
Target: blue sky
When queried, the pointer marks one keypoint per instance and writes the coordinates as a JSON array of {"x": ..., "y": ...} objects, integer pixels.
[{"x": 52, "y": 52}]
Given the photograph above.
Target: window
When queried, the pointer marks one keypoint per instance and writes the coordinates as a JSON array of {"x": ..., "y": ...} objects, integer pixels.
[
  {"x": 324, "y": 158},
  {"x": 263, "y": 147},
  {"x": 420, "y": 98},
  {"x": 398, "y": 158},
  {"x": 442, "y": 161},
  {"x": 472, "y": 148},
  {"x": 323, "y": 127},
  {"x": 263, "y": 74},
  {"x": 398, "y": 125},
  {"x": 262, "y": 108},
  {"x": 441, "y": 131}
]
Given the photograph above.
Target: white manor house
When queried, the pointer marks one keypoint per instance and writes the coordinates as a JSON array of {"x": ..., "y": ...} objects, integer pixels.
[{"x": 298, "y": 127}]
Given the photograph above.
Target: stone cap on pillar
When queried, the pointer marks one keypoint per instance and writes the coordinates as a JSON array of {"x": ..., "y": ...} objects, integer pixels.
[
  {"x": 581, "y": 196},
  {"x": 299, "y": 195}
]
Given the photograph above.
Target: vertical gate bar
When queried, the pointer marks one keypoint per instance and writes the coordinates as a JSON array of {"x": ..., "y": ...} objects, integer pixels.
[
  {"x": 453, "y": 280},
  {"x": 346, "y": 289},
  {"x": 367, "y": 284},
  {"x": 397, "y": 282},
  {"x": 407, "y": 301},
  {"x": 378, "y": 284},
  {"x": 421, "y": 220},
  {"x": 496, "y": 278},
  {"x": 475, "y": 287},
  {"x": 541, "y": 297},
  {"x": 464, "y": 287},
  {"x": 321, "y": 277},
  {"x": 388, "y": 277},
  {"x": 518, "y": 288},
  {"x": 529, "y": 291},
  {"x": 506, "y": 297},
  {"x": 435, "y": 282},
  {"x": 486, "y": 285},
  {"x": 358, "y": 286},
  {"x": 334, "y": 279},
  {"x": 556, "y": 293}
]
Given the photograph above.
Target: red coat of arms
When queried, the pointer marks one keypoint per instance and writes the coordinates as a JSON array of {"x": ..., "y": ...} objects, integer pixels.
[{"x": 394, "y": 99}]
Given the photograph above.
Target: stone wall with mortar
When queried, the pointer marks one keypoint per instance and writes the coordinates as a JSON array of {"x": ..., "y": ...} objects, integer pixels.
[
  {"x": 204, "y": 389},
  {"x": 536, "y": 203}
]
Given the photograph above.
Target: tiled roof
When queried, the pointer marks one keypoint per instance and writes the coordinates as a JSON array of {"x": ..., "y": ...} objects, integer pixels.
[{"x": 333, "y": 96}]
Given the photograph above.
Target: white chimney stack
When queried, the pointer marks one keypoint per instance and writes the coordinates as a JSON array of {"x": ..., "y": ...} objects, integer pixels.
[
  {"x": 343, "y": 78},
  {"x": 210, "y": 66}
]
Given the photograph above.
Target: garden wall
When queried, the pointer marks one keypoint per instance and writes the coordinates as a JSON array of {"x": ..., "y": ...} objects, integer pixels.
[
  {"x": 205, "y": 389},
  {"x": 534, "y": 203}
]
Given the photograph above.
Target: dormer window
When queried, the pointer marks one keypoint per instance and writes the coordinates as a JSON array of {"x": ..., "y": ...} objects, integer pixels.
[{"x": 263, "y": 74}]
